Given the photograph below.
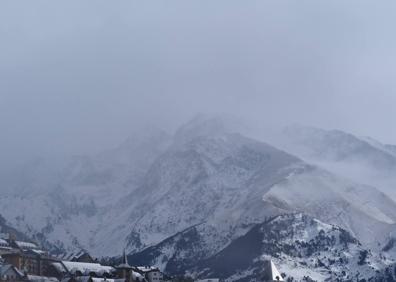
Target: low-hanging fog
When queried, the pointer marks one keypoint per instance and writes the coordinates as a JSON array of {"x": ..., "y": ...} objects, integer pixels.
[{"x": 80, "y": 76}]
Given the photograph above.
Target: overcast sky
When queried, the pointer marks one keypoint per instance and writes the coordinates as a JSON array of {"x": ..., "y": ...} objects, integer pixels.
[{"x": 79, "y": 76}]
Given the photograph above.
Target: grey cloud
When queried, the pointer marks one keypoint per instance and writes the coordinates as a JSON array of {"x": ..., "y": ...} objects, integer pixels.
[{"x": 78, "y": 76}]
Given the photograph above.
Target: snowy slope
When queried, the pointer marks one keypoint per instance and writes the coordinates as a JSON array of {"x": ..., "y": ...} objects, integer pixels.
[
  {"x": 339, "y": 146},
  {"x": 191, "y": 182},
  {"x": 363, "y": 210},
  {"x": 300, "y": 245},
  {"x": 362, "y": 159},
  {"x": 230, "y": 182},
  {"x": 207, "y": 179},
  {"x": 6, "y": 229},
  {"x": 64, "y": 201},
  {"x": 204, "y": 178}
]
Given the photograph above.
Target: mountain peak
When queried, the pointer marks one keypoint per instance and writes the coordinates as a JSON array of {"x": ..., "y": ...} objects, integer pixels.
[{"x": 204, "y": 126}]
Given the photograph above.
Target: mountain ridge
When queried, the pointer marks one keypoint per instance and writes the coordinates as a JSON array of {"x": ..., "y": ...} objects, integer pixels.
[{"x": 211, "y": 183}]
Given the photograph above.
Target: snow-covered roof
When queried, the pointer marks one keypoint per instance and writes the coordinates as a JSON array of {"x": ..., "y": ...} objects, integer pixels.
[
  {"x": 136, "y": 276},
  {"x": 147, "y": 268},
  {"x": 94, "y": 279},
  {"x": 26, "y": 245},
  {"x": 83, "y": 278},
  {"x": 4, "y": 244},
  {"x": 88, "y": 278},
  {"x": 39, "y": 252},
  {"x": 86, "y": 268},
  {"x": 73, "y": 255},
  {"x": 209, "y": 280},
  {"x": 2, "y": 241},
  {"x": 36, "y": 278},
  {"x": 59, "y": 267}
]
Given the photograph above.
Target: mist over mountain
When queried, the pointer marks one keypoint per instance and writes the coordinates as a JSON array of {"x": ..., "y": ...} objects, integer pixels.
[
  {"x": 175, "y": 200},
  {"x": 84, "y": 85},
  {"x": 362, "y": 159},
  {"x": 203, "y": 137}
]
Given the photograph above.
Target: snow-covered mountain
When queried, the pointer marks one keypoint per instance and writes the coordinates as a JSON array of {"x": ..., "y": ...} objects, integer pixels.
[
  {"x": 6, "y": 230},
  {"x": 103, "y": 204},
  {"x": 64, "y": 201},
  {"x": 363, "y": 159},
  {"x": 303, "y": 247},
  {"x": 230, "y": 181},
  {"x": 340, "y": 146},
  {"x": 363, "y": 210},
  {"x": 218, "y": 180},
  {"x": 206, "y": 181}
]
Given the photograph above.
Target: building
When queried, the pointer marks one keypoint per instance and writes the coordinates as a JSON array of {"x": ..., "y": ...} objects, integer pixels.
[
  {"x": 81, "y": 256},
  {"x": 124, "y": 270},
  {"x": 26, "y": 261},
  {"x": 38, "y": 278},
  {"x": 138, "y": 277},
  {"x": 152, "y": 274},
  {"x": 28, "y": 257},
  {"x": 30, "y": 261},
  {"x": 270, "y": 272},
  {"x": 64, "y": 269},
  {"x": 90, "y": 279},
  {"x": 22, "y": 245},
  {"x": 129, "y": 273},
  {"x": 9, "y": 272},
  {"x": 8, "y": 243},
  {"x": 4, "y": 246}
]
